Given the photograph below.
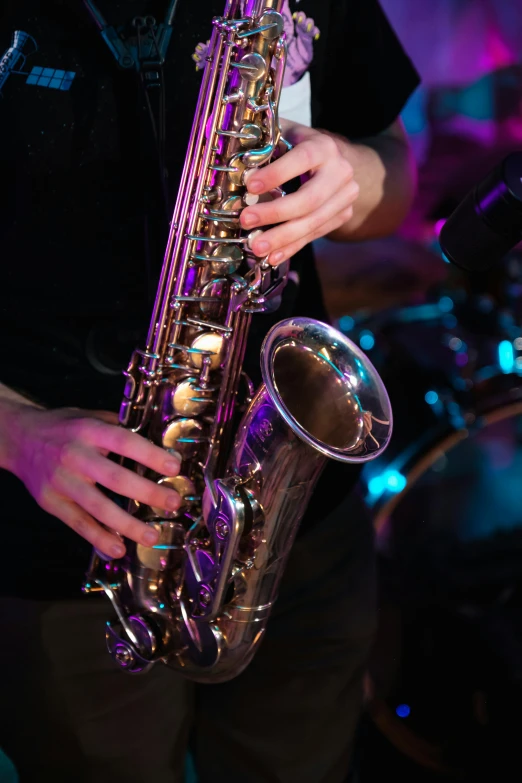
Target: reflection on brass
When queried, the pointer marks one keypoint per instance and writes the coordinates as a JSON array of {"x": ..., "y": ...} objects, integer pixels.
[
  {"x": 236, "y": 177},
  {"x": 251, "y": 130},
  {"x": 340, "y": 423},
  {"x": 209, "y": 342},
  {"x": 216, "y": 289},
  {"x": 186, "y": 430},
  {"x": 255, "y": 70},
  {"x": 187, "y": 401},
  {"x": 226, "y": 260},
  {"x": 275, "y": 23},
  {"x": 156, "y": 559},
  {"x": 180, "y": 484}
]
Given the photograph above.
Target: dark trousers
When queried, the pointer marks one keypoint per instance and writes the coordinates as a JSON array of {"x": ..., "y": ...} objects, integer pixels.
[{"x": 68, "y": 714}]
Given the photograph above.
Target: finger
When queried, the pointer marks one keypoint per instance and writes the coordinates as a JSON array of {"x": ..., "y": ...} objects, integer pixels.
[
  {"x": 81, "y": 413},
  {"x": 269, "y": 242},
  {"x": 86, "y": 527},
  {"x": 291, "y": 249},
  {"x": 305, "y": 157},
  {"x": 290, "y": 126},
  {"x": 122, "y": 481},
  {"x": 295, "y": 132},
  {"x": 107, "y": 416},
  {"x": 103, "y": 510},
  {"x": 307, "y": 199},
  {"x": 128, "y": 444}
]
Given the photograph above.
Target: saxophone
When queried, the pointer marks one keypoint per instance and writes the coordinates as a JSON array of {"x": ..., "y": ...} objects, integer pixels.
[{"x": 200, "y": 599}]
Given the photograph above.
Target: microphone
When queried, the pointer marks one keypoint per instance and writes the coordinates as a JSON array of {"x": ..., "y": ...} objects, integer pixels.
[
  {"x": 15, "y": 55},
  {"x": 488, "y": 222}
]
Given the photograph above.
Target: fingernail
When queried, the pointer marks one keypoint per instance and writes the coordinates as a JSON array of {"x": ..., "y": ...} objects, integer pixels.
[
  {"x": 253, "y": 237},
  {"x": 262, "y": 247},
  {"x": 150, "y": 537},
  {"x": 249, "y": 219},
  {"x": 256, "y": 186},
  {"x": 276, "y": 258},
  {"x": 117, "y": 551},
  {"x": 173, "y": 502},
  {"x": 172, "y": 466}
]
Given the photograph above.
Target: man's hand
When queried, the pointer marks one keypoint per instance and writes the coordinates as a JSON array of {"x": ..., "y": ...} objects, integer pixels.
[
  {"x": 323, "y": 203},
  {"x": 61, "y": 455},
  {"x": 378, "y": 173}
]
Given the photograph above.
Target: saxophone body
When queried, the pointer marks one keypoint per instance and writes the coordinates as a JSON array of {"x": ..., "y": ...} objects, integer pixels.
[{"x": 199, "y": 601}]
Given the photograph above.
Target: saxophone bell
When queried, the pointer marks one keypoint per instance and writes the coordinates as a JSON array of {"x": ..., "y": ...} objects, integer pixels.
[
  {"x": 326, "y": 390},
  {"x": 321, "y": 398}
]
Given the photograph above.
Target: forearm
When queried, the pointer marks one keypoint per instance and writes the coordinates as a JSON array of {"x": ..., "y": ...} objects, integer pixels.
[
  {"x": 10, "y": 403},
  {"x": 385, "y": 171}
]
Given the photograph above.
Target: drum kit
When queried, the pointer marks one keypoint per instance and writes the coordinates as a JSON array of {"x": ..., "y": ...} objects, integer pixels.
[{"x": 446, "y": 499}]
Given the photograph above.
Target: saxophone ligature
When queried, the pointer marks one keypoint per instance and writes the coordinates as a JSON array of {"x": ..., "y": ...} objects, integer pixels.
[{"x": 200, "y": 599}]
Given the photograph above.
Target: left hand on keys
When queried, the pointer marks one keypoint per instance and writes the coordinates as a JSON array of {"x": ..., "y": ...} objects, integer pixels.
[{"x": 322, "y": 204}]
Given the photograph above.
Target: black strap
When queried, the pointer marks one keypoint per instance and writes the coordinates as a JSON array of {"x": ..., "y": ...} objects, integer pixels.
[{"x": 144, "y": 54}]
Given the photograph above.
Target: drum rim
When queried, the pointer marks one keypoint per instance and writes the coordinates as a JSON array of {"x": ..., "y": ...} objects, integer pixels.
[
  {"x": 406, "y": 741},
  {"x": 439, "y": 440}
]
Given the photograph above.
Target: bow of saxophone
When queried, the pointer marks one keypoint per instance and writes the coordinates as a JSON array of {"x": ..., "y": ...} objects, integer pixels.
[{"x": 199, "y": 601}]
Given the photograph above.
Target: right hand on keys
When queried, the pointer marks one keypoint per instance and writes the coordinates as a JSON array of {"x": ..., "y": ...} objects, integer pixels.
[{"x": 61, "y": 455}]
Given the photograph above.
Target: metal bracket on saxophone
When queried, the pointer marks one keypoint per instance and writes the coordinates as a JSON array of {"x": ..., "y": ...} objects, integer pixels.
[{"x": 207, "y": 575}]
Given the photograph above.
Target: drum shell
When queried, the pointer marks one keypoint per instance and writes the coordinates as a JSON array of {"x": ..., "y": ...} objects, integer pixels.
[{"x": 441, "y": 573}]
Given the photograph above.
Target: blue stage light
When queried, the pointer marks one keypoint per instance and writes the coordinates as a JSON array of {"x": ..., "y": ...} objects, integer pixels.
[
  {"x": 390, "y": 480},
  {"x": 445, "y": 304},
  {"x": 506, "y": 356},
  {"x": 395, "y": 481},
  {"x": 346, "y": 323},
  {"x": 376, "y": 486},
  {"x": 366, "y": 341}
]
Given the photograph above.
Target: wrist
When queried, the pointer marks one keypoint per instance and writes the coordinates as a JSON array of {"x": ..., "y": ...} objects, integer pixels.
[{"x": 12, "y": 409}]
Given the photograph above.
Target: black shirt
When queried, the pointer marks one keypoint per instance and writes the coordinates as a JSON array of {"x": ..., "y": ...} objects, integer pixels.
[{"x": 83, "y": 222}]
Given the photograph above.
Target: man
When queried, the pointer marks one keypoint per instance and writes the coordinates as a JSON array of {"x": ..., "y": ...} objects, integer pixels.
[{"x": 82, "y": 238}]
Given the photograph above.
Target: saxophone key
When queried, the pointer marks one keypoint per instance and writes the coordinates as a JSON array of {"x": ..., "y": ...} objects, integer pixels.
[
  {"x": 171, "y": 539},
  {"x": 185, "y": 435},
  {"x": 213, "y": 299},
  {"x": 185, "y": 489},
  {"x": 186, "y": 401},
  {"x": 208, "y": 345},
  {"x": 252, "y": 67},
  {"x": 125, "y": 412},
  {"x": 225, "y": 260},
  {"x": 250, "y": 199},
  {"x": 236, "y": 169},
  {"x": 252, "y": 237},
  {"x": 130, "y": 387}
]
